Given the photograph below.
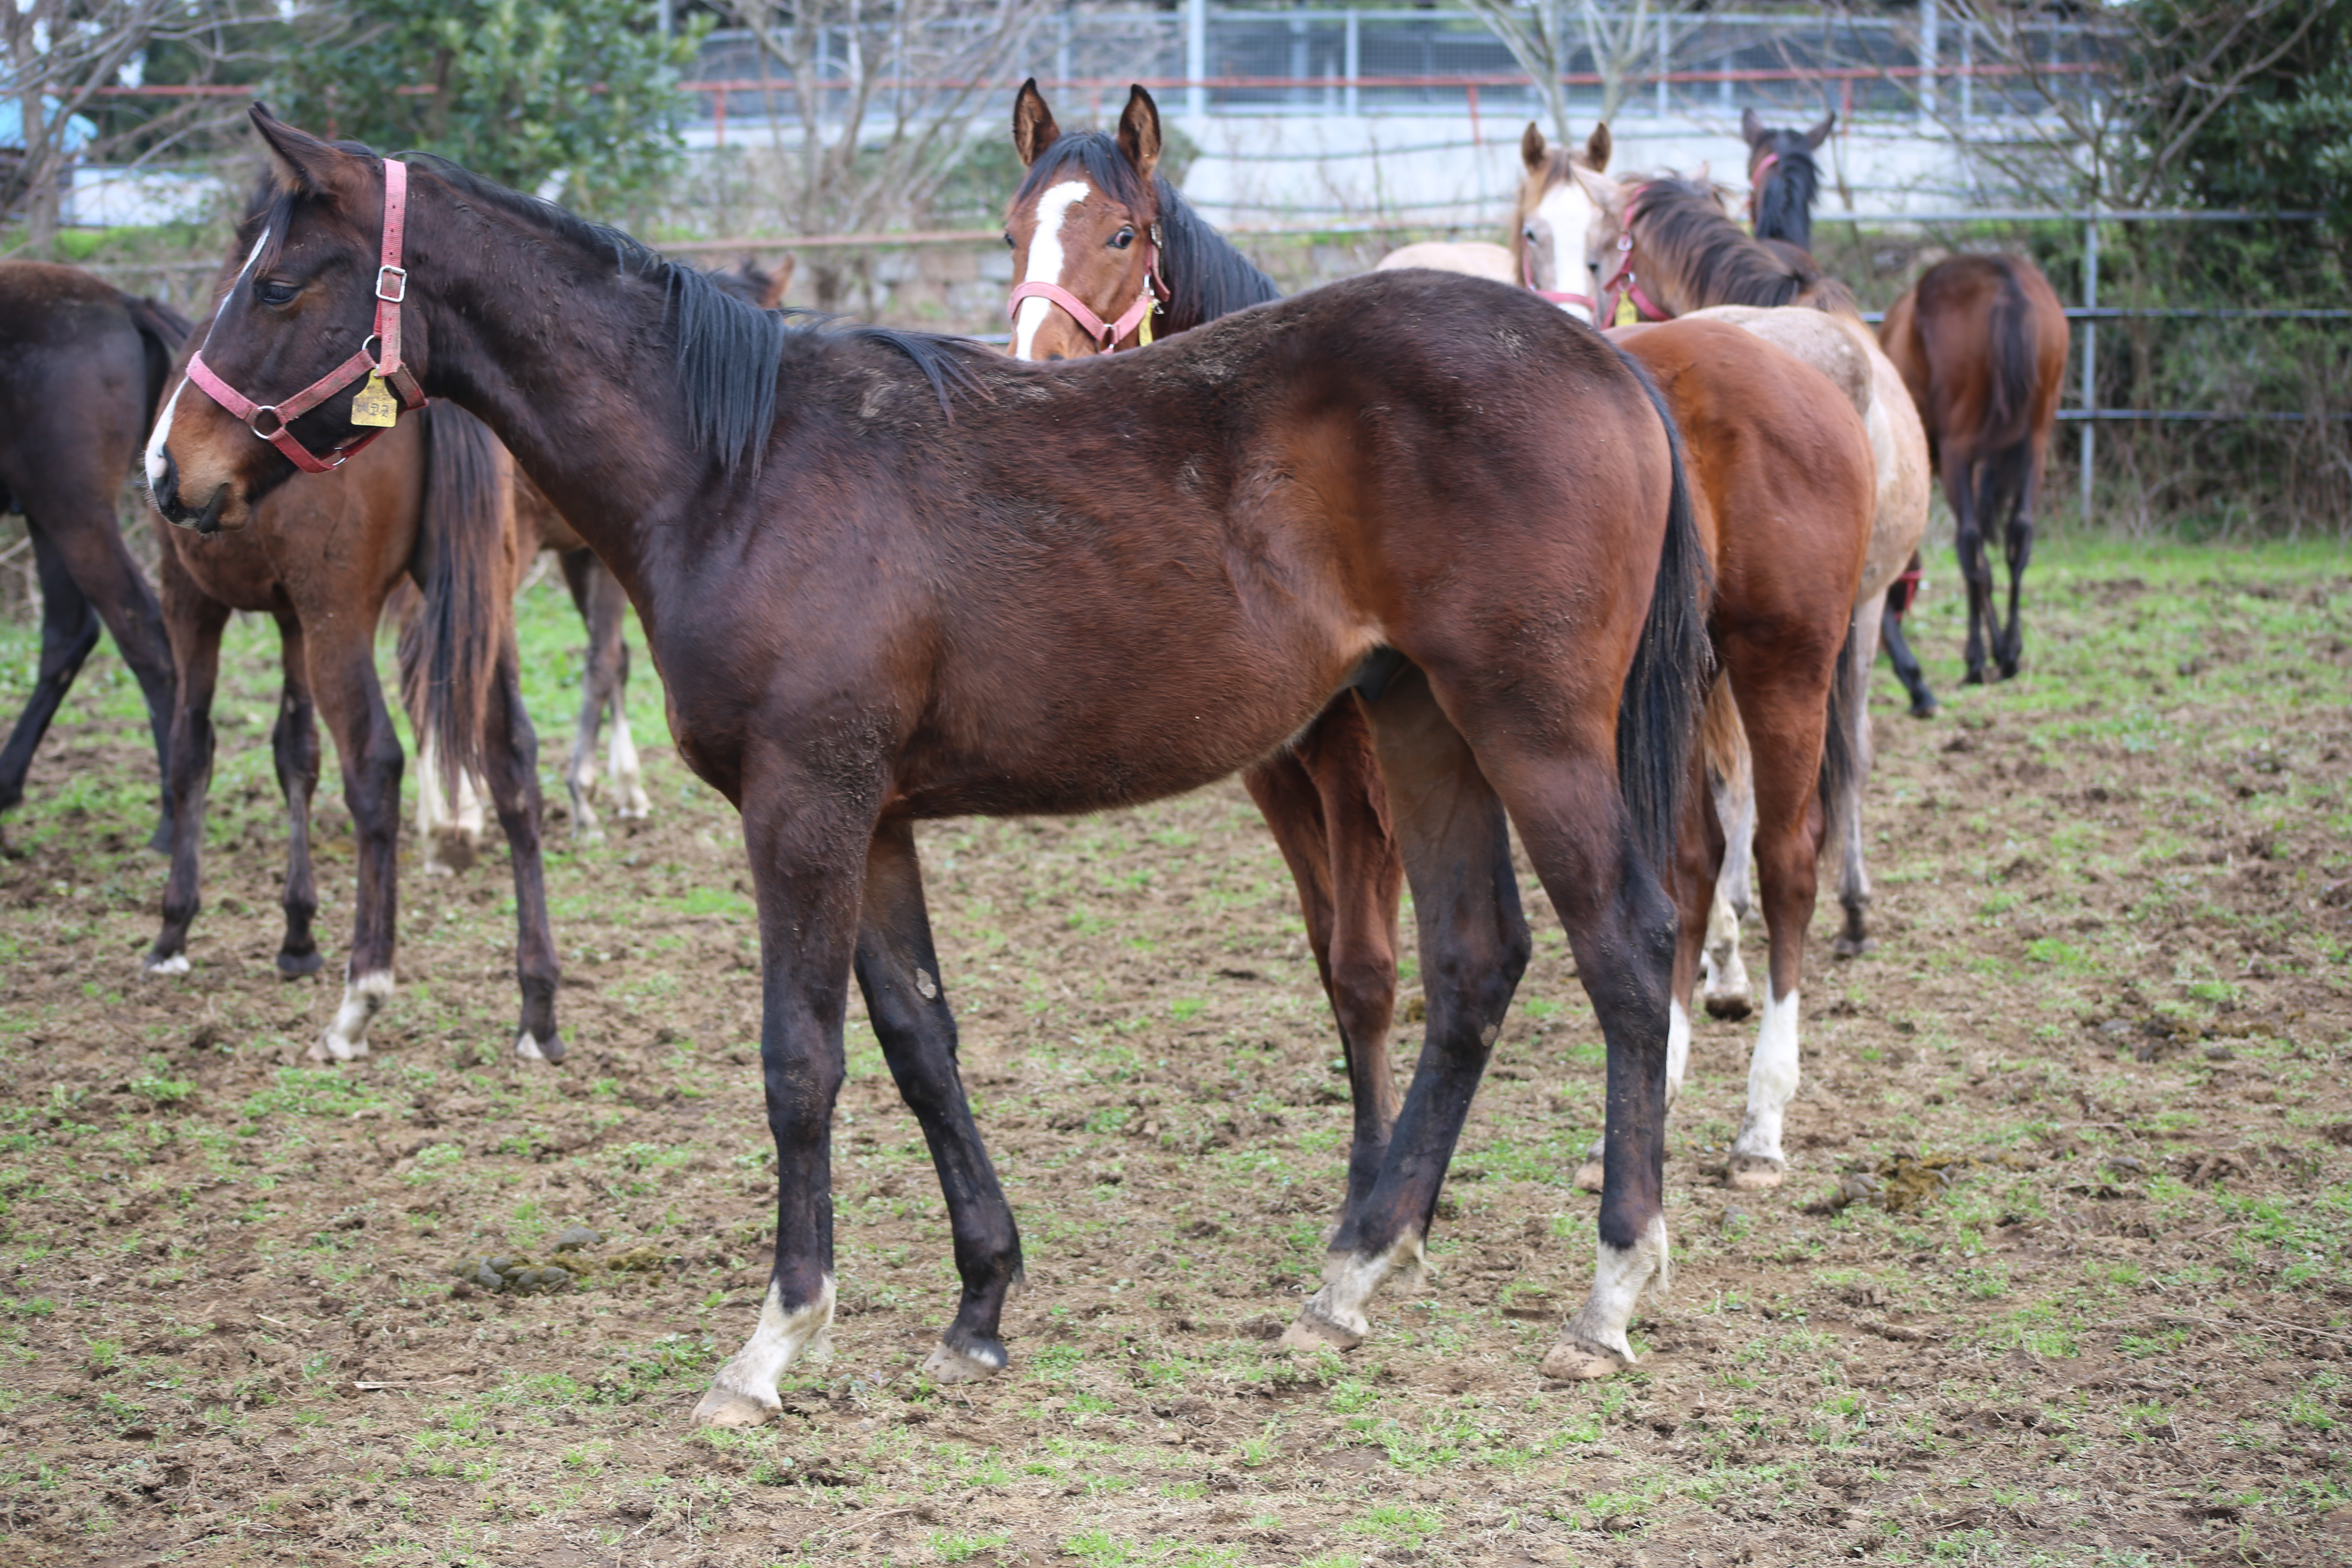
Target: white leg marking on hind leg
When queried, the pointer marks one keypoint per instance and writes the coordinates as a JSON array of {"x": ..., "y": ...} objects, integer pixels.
[
  {"x": 468, "y": 815},
  {"x": 1725, "y": 974},
  {"x": 432, "y": 811},
  {"x": 175, "y": 964},
  {"x": 1678, "y": 1038},
  {"x": 526, "y": 1047},
  {"x": 1335, "y": 1314},
  {"x": 1771, "y": 1081},
  {"x": 1621, "y": 1277},
  {"x": 628, "y": 777},
  {"x": 346, "y": 1037},
  {"x": 744, "y": 1391}
]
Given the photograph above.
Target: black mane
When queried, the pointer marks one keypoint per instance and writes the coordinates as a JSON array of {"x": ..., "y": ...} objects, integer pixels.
[
  {"x": 1206, "y": 277},
  {"x": 1784, "y": 202},
  {"x": 1682, "y": 227}
]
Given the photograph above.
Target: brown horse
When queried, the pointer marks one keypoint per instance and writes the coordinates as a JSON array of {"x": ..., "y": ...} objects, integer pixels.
[
  {"x": 431, "y": 503},
  {"x": 82, "y": 365},
  {"x": 1671, "y": 241},
  {"x": 1981, "y": 342},
  {"x": 889, "y": 577},
  {"x": 1320, "y": 794}
]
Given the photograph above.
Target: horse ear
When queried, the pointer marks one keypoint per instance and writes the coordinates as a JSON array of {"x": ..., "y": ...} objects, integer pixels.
[
  {"x": 1597, "y": 146},
  {"x": 300, "y": 162},
  {"x": 1533, "y": 151},
  {"x": 1033, "y": 123},
  {"x": 1605, "y": 193},
  {"x": 773, "y": 294},
  {"x": 1139, "y": 132},
  {"x": 1821, "y": 133},
  {"x": 1751, "y": 127}
]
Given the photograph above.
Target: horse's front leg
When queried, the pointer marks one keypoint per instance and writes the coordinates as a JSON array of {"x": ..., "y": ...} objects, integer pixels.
[
  {"x": 898, "y": 971},
  {"x": 807, "y": 848}
]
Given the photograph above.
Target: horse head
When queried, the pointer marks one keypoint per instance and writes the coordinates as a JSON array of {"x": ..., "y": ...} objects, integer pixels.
[
  {"x": 1084, "y": 228},
  {"x": 1570, "y": 216},
  {"x": 292, "y": 341},
  {"x": 1783, "y": 178}
]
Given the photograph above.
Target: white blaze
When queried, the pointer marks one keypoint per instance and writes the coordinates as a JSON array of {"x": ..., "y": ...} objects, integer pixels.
[
  {"x": 1045, "y": 261},
  {"x": 1567, "y": 213},
  {"x": 158, "y": 438}
]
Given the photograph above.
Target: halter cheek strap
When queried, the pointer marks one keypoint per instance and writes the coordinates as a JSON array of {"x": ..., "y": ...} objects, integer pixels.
[
  {"x": 390, "y": 291},
  {"x": 1105, "y": 334},
  {"x": 1755, "y": 180},
  {"x": 1618, "y": 291}
]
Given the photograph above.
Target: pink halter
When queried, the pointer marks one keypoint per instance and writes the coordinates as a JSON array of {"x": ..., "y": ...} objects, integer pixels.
[
  {"x": 391, "y": 289},
  {"x": 1619, "y": 287},
  {"x": 1105, "y": 334}
]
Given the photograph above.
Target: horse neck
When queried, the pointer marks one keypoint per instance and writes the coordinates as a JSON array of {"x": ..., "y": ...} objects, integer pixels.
[{"x": 1206, "y": 274}]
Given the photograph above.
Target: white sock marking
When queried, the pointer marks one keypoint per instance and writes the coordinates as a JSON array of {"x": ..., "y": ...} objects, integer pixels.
[
  {"x": 1045, "y": 261},
  {"x": 754, "y": 1371},
  {"x": 1678, "y": 1038},
  {"x": 363, "y": 998},
  {"x": 1349, "y": 1281},
  {"x": 1772, "y": 1078},
  {"x": 1621, "y": 1277},
  {"x": 628, "y": 778}
]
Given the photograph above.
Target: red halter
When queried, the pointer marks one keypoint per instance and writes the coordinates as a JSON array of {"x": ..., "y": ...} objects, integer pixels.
[
  {"x": 1619, "y": 287},
  {"x": 1105, "y": 334},
  {"x": 1756, "y": 181},
  {"x": 391, "y": 289}
]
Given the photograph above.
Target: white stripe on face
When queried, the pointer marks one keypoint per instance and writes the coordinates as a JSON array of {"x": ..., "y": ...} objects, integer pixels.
[
  {"x": 158, "y": 438},
  {"x": 1045, "y": 261},
  {"x": 1567, "y": 213}
]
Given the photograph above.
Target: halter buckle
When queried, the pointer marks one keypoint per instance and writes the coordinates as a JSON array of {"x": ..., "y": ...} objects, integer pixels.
[{"x": 399, "y": 277}]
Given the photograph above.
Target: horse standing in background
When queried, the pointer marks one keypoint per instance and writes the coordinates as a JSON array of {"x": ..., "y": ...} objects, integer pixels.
[
  {"x": 890, "y": 577},
  {"x": 1981, "y": 342},
  {"x": 82, "y": 366}
]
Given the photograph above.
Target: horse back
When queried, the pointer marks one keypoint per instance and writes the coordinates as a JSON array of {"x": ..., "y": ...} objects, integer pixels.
[{"x": 74, "y": 381}]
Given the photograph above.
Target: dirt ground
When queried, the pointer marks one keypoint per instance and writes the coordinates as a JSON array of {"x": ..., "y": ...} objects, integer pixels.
[{"x": 2097, "y": 1063}]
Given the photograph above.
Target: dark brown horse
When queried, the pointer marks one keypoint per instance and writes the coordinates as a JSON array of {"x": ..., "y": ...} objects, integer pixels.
[
  {"x": 82, "y": 365},
  {"x": 1981, "y": 343},
  {"x": 1321, "y": 794},
  {"x": 431, "y": 504},
  {"x": 889, "y": 577}
]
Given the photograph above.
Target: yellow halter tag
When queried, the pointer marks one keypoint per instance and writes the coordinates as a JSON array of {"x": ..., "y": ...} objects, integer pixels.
[
  {"x": 373, "y": 404},
  {"x": 1143, "y": 334},
  {"x": 1627, "y": 316}
]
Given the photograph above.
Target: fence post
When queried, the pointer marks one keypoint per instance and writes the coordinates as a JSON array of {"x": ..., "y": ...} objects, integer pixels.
[
  {"x": 2090, "y": 354},
  {"x": 1355, "y": 58},
  {"x": 1930, "y": 22},
  {"x": 1665, "y": 53},
  {"x": 1196, "y": 60}
]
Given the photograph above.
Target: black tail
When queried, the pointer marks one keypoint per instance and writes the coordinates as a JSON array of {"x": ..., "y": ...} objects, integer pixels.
[
  {"x": 2016, "y": 359},
  {"x": 161, "y": 330},
  {"x": 449, "y": 650},
  {"x": 1666, "y": 691},
  {"x": 1843, "y": 762}
]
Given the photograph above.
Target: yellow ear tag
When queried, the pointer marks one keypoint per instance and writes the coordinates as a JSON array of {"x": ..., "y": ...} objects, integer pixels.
[
  {"x": 1627, "y": 316},
  {"x": 373, "y": 404},
  {"x": 1143, "y": 334}
]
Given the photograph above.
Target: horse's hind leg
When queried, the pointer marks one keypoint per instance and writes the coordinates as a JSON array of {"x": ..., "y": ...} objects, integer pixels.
[
  {"x": 344, "y": 680},
  {"x": 1474, "y": 947},
  {"x": 194, "y": 620},
  {"x": 2008, "y": 653},
  {"x": 609, "y": 604},
  {"x": 1327, "y": 808},
  {"x": 1906, "y": 663},
  {"x": 898, "y": 971},
  {"x": 1963, "y": 490},
  {"x": 510, "y": 758},
  {"x": 68, "y": 633},
  {"x": 294, "y": 746},
  {"x": 1854, "y": 874},
  {"x": 1731, "y": 774}
]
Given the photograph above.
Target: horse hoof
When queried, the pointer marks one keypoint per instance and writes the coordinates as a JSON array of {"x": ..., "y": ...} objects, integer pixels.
[
  {"x": 1754, "y": 1173},
  {"x": 531, "y": 1048},
  {"x": 1853, "y": 947},
  {"x": 1926, "y": 709},
  {"x": 1575, "y": 1360},
  {"x": 948, "y": 1365},
  {"x": 1589, "y": 1174},
  {"x": 1731, "y": 1007},
  {"x": 327, "y": 1049},
  {"x": 1973, "y": 678},
  {"x": 1309, "y": 1332},
  {"x": 724, "y": 1407},
  {"x": 294, "y": 965},
  {"x": 174, "y": 963}
]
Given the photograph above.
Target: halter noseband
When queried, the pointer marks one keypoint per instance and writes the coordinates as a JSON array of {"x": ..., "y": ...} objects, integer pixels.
[
  {"x": 1105, "y": 334},
  {"x": 391, "y": 289},
  {"x": 1620, "y": 289}
]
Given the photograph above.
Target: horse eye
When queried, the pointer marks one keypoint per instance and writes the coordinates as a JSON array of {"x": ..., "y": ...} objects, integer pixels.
[
  {"x": 1122, "y": 239},
  {"x": 1008, "y": 240},
  {"x": 271, "y": 293},
  {"x": 1528, "y": 234}
]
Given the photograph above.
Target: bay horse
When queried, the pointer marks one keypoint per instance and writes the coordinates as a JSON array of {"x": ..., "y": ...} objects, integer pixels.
[
  {"x": 1663, "y": 247},
  {"x": 1981, "y": 342},
  {"x": 890, "y": 577},
  {"x": 1321, "y": 795},
  {"x": 431, "y": 505},
  {"x": 82, "y": 366},
  {"x": 1767, "y": 444},
  {"x": 449, "y": 828}
]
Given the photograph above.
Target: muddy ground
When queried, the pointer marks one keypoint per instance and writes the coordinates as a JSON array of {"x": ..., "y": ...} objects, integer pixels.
[{"x": 2108, "y": 1005}]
